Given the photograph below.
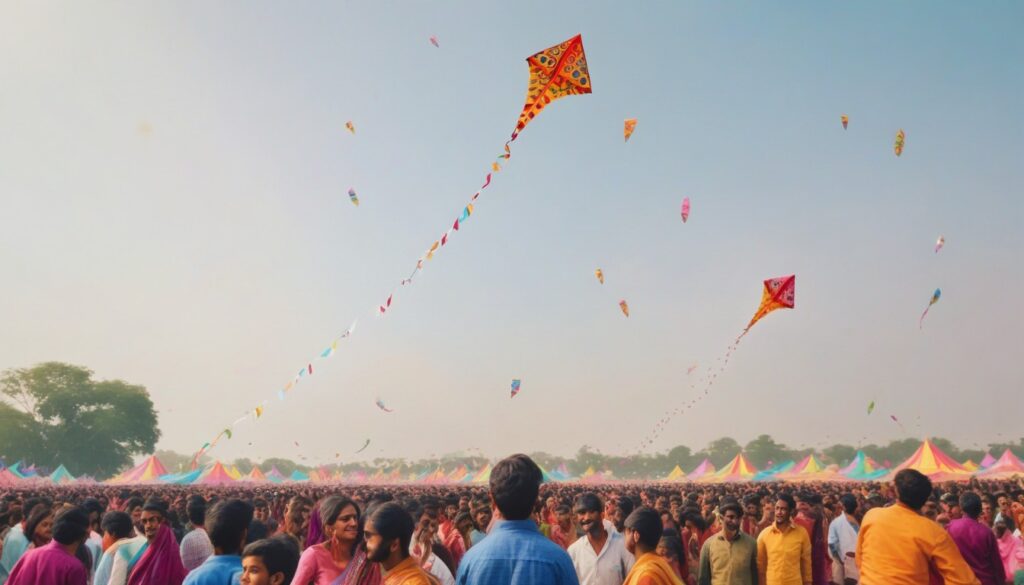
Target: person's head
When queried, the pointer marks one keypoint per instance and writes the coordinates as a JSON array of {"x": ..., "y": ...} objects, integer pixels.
[
  {"x": 271, "y": 561},
  {"x": 260, "y": 510},
  {"x": 482, "y": 518},
  {"x": 463, "y": 522},
  {"x": 849, "y": 502},
  {"x": 999, "y": 527},
  {"x": 134, "y": 508},
  {"x": 154, "y": 514},
  {"x": 71, "y": 526},
  {"x": 297, "y": 514},
  {"x": 731, "y": 513},
  {"x": 750, "y": 507},
  {"x": 428, "y": 523},
  {"x": 589, "y": 513},
  {"x": 388, "y": 534},
  {"x": 623, "y": 508},
  {"x": 669, "y": 546},
  {"x": 94, "y": 509},
  {"x": 196, "y": 511},
  {"x": 912, "y": 488},
  {"x": 642, "y": 530},
  {"x": 117, "y": 525},
  {"x": 340, "y": 517},
  {"x": 515, "y": 483},
  {"x": 227, "y": 524},
  {"x": 1004, "y": 502},
  {"x": 930, "y": 509},
  {"x": 784, "y": 506},
  {"x": 563, "y": 514},
  {"x": 970, "y": 503},
  {"x": 39, "y": 526}
]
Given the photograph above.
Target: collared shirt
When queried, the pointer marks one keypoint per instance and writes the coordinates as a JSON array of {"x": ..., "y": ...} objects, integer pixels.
[
  {"x": 475, "y": 536},
  {"x": 195, "y": 548},
  {"x": 979, "y": 548},
  {"x": 608, "y": 567},
  {"x": 48, "y": 565},
  {"x": 408, "y": 572},
  {"x": 216, "y": 570},
  {"x": 728, "y": 562},
  {"x": 842, "y": 537},
  {"x": 516, "y": 553},
  {"x": 784, "y": 555},
  {"x": 15, "y": 545},
  {"x": 896, "y": 546}
]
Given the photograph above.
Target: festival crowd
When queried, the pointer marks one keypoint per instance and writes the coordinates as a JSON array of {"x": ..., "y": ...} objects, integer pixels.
[{"x": 907, "y": 532}]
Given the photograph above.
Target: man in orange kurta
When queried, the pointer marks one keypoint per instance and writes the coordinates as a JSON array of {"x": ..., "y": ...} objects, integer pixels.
[
  {"x": 642, "y": 533},
  {"x": 388, "y": 534}
]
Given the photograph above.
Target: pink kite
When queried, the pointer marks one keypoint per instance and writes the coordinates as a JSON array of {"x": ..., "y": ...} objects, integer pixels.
[{"x": 685, "y": 210}]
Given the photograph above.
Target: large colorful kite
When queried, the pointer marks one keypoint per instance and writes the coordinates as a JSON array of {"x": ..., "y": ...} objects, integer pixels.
[{"x": 779, "y": 293}]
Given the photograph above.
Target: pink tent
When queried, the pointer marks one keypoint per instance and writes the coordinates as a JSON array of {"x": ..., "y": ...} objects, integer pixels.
[
  {"x": 705, "y": 468},
  {"x": 987, "y": 461},
  {"x": 1006, "y": 467},
  {"x": 217, "y": 475},
  {"x": 8, "y": 479},
  {"x": 149, "y": 471}
]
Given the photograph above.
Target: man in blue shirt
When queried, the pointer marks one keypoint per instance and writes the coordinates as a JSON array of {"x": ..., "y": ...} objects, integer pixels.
[
  {"x": 515, "y": 552},
  {"x": 227, "y": 524}
]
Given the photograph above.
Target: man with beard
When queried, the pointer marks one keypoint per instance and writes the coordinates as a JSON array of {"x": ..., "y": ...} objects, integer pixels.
[
  {"x": 388, "y": 535},
  {"x": 481, "y": 520},
  {"x": 599, "y": 557},
  {"x": 783, "y": 549},
  {"x": 641, "y": 533},
  {"x": 729, "y": 557},
  {"x": 159, "y": 561},
  {"x": 515, "y": 552}
]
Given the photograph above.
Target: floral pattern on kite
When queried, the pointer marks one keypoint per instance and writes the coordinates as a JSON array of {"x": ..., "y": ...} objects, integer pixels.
[{"x": 555, "y": 72}]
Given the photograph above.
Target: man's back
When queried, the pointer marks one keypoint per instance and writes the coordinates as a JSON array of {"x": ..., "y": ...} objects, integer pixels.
[
  {"x": 516, "y": 553},
  {"x": 216, "y": 570},
  {"x": 977, "y": 544},
  {"x": 49, "y": 565},
  {"x": 896, "y": 546}
]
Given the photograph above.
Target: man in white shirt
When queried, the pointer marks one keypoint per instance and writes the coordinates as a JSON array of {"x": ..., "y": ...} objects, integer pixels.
[
  {"x": 842, "y": 542},
  {"x": 599, "y": 557}
]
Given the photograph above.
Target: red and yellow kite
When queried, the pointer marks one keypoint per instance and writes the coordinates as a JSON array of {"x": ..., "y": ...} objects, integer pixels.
[
  {"x": 555, "y": 72},
  {"x": 779, "y": 293},
  {"x": 628, "y": 129}
]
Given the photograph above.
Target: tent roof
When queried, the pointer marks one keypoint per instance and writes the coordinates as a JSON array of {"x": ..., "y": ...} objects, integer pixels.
[
  {"x": 149, "y": 471},
  {"x": 676, "y": 474},
  {"x": 931, "y": 461},
  {"x": 216, "y": 475},
  {"x": 61, "y": 475},
  {"x": 705, "y": 468},
  {"x": 1007, "y": 466},
  {"x": 737, "y": 470}
]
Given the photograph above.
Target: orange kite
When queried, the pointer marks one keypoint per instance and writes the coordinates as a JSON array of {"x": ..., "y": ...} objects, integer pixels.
[
  {"x": 779, "y": 293},
  {"x": 555, "y": 72}
]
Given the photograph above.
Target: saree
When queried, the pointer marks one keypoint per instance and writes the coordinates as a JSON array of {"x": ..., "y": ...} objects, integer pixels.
[
  {"x": 160, "y": 564},
  {"x": 359, "y": 571}
]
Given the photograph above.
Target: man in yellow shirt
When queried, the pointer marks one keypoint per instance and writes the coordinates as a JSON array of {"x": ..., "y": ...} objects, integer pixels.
[
  {"x": 784, "y": 549},
  {"x": 642, "y": 531},
  {"x": 897, "y": 545}
]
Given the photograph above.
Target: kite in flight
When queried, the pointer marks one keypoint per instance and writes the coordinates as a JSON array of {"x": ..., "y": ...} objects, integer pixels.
[
  {"x": 685, "y": 209},
  {"x": 352, "y": 196},
  {"x": 935, "y": 298},
  {"x": 600, "y": 275},
  {"x": 350, "y": 127},
  {"x": 625, "y": 307},
  {"x": 515, "y": 387},
  {"x": 845, "y": 119},
  {"x": 779, "y": 293},
  {"x": 380, "y": 405},
  {"x": 871, "y": 407},
  {"x": 365, "y": 445},
  {"x": 628, "y": 128},
  {"x": 901, "y": 137},
  {"x": 940, "y": 243},
  {"x": 433, "y": 41}
]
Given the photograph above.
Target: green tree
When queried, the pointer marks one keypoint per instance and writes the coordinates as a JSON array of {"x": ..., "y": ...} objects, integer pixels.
[
  {"x": 840, "y": 454},
  {"x": 180, "y": 462},
  {"x": 721, "y": 451},
  {"x": 94, "y": 427},
  {"x": 682, "y": 456},
  {"x": 764, "y": 449}
]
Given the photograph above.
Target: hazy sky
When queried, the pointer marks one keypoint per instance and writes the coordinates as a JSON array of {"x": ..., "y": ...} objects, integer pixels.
[{"x": 213, "y": 257}]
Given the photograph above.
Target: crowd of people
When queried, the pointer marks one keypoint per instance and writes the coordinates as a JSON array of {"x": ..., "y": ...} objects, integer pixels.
[{"x": 517, "y": 531}]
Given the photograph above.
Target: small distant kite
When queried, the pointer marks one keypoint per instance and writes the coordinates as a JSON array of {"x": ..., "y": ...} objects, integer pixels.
[
  {"x": 259, "y": 411},
  {"x": 600, "y": 275},
  {"x": 897, "y": 421},
  {"x": 296, "y": 443},
  {"x": 145, "y": 129},
  {"x": 625, "y": 307},
  {"x": 365, "y": 445},
  {"x": 691, "y": 369},
  {"x": 684, "y": 211},
  {"x": 845, "y": 119},
  {"x": 935, "y": 298},
  {"x": 433, "y": 41},
  {"x": 779, "y": 293},
  {"x": 871, "y": 407},
  {"x": 940, "y": 243},
  {"x": 380, "y": 405},
  {"x": 901, "y": 138},
  {"x": 515, "y": 387},
  {"x": 628, "y": 128},
  {"x": 352, "y": 196},
  {"x": 350, "y": 127}
]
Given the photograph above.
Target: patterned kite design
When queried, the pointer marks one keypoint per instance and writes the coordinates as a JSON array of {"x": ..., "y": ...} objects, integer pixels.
[
  {"x": 779, "y": 293},
  {"x": 555, "y": 72}
]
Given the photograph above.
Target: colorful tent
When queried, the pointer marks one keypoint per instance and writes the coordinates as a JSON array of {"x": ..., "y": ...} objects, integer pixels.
[
  {"x": 676, "y": 474},
  {"x": 772, "y": 472},
  {"x": 987, "y": 460},
  {"x": 215, "y": 475},
  {"x": 931, "y": 461},
  {"x": 863, "y": 468},
  {"x": 274, "y": 475},
  {"x": 298, "y": 476},
  {"x": 970, "y": 465},
  {"x": 737, "y": 470},
  {"x": 562, "y": 473},
  {"x": 234, "y": 472},
  {"x": 187, "y": 478},
  {"x": 484, "y": 476},
  {"x": 149, "y": 471},
  {"x": 8, "y": 478},
  {"x": 255, "y": 474},
  {"x": 61, "y": 475},
  {"x": 1007, "y": 466},
  {"x": 804, "y": 470},
  {"x": 704, "y": 469}
]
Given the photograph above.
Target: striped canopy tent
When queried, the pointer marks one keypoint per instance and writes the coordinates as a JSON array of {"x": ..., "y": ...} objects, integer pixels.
[
  {"x": 545, "y": 477},
  {"x": 863, "y": 468},
  {"x": 338, "y": 477},
  {"x": 771, "y": 474},
  {"x": 436, "y": 477},
  {"x": 737, "y": 470},
  {"x": 217, "y": 474},
  {"x": 705, "y": 468},
  {"x": 16, "y": 470},
  {"x": 358, "y": 476},
  {"x": 931, "y": 461},
  {"x": 987, "y": 460},
  {"x": 61, "y": 475},
  {"x": 1007, "y": 466},
  {"x": 395, "y": 476},
  {"x": 458, "y": 474},
  {"x": 594, "y": 478},
  {"x": 298, "y": 476},
  {"x": 255, "y": 474},
  {"x": 234, "y": 472},
  {"x": 274, "y": 475},
  {"x": 805, "y": 468},
  {"x": 676, "y": 474},
  {"x": 8, "y": 479},
  {"x": 562, "y": 473},
  {"x": 149, "y": 471},
  {"x": 186, "y": 478},
  {"x": 484, "y": 475},
  {"x": 970, "y": 465}
]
